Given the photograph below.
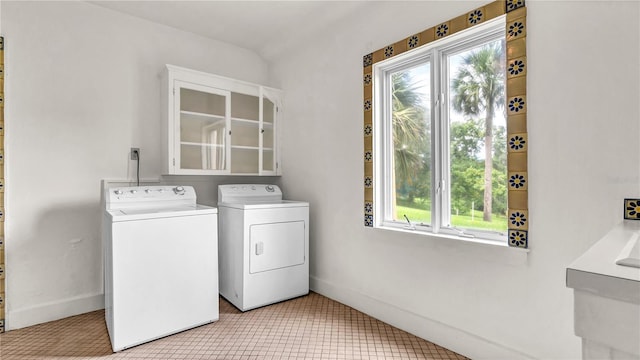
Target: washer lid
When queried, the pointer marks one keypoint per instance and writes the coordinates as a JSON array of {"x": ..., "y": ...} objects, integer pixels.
[
  {"x": 251, "y": 205},
  {"x": 144, "y": 213}
]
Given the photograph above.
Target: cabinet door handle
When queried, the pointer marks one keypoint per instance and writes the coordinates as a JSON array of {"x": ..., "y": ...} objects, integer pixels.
[
  {"x": 229, "y": 132},
  {"x": 262, "y": 131}
]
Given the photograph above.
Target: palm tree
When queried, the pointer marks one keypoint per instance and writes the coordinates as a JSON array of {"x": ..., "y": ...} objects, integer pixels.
[
  {"x": 479, "y": 89},
  {"x": 408, "y": 127}
]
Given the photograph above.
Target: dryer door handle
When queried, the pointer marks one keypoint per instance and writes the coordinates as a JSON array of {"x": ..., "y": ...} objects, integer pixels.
[{"x": 259, "y": 248}]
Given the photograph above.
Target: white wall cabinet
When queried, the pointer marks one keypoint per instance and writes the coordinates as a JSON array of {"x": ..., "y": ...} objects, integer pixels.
[{"x": 213, "y": 125}]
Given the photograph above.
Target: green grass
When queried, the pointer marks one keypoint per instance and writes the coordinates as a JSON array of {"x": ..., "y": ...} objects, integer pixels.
[{"x": 417, "y": 215}]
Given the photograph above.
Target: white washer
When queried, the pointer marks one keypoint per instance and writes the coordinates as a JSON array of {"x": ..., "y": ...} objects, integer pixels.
[
  {"x": 263, "y": 245},
  {"x": 161, "y": 263}
]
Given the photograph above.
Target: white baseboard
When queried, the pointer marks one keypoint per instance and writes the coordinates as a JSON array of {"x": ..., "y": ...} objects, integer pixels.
[
  {"x": 457, "y": 340},
  {"x": 20, "y": 318}
]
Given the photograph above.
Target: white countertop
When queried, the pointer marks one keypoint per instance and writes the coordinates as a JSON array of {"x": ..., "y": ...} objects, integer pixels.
[{"x": 596, "y": 270}]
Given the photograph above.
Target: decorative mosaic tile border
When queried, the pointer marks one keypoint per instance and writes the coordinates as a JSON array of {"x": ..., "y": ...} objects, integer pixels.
[
  {"x": 516, "y": 88},
  {"x": 2, "y": 214},
  {"x": 632, "y": 209}
]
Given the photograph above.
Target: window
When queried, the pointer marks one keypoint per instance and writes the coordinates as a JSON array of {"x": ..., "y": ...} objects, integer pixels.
[{"x": 441, "y": 152}]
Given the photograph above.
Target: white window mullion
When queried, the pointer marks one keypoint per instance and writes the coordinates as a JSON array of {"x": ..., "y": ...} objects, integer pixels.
[
  {"x": 445, "y": 179},
  {"x": 436, "y": 144}
]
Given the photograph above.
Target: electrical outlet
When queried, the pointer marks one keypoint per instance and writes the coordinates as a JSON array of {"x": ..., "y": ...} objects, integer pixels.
[{"x": 135, "y": 153}]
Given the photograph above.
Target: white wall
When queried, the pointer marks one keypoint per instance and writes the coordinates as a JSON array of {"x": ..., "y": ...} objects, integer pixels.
[
  {"x": 82, "y": 88},
  {"x": 486, "y": 302}
]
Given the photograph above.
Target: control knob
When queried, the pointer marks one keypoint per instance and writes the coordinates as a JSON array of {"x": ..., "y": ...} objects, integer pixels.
[
  {"x": 179, "y": 190},
  {"x": 118, "y": 192}
]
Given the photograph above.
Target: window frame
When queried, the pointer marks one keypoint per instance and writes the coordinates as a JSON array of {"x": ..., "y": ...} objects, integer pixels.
[{"x": 436, "y": 53}]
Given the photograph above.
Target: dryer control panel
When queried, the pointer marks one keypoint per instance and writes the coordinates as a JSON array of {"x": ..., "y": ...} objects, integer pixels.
[{"x": 244, "y": 193}]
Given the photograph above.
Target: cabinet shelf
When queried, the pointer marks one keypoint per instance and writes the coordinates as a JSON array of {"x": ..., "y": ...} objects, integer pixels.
[
  {"x": 249, "y": 122},
  {"x": 245, "y": 121},
  {"x": 200, "y": 115},
  {"x": 201, "y": 144},
  {"x": 242, "y": 147}
]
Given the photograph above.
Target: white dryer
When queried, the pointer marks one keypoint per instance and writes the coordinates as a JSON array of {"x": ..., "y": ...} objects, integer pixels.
[{"x": 263, "y": 245}]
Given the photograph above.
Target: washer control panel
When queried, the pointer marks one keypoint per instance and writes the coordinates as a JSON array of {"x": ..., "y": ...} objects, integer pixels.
[{"x": 124, "y": 196}]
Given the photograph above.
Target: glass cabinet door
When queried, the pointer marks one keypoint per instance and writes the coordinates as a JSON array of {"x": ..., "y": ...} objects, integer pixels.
[
  {"x": 245, "y": 136},
  {"x": 203, "y": 114},
  {"x": 269, "y": 112}
]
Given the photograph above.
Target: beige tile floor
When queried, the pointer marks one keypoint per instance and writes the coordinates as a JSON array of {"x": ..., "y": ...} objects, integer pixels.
[{"x": 309, "y": 327}]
